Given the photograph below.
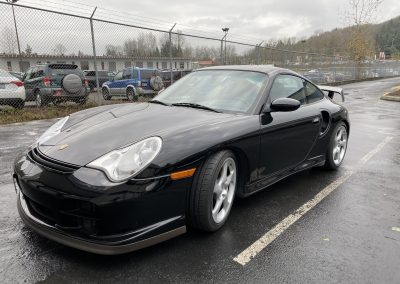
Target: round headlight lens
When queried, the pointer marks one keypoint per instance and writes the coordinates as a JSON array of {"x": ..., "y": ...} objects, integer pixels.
[{"x": 124, "y": 163}]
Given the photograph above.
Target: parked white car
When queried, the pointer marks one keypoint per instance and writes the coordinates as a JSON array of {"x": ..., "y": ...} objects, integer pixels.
[{"x": 12, "y": 90}]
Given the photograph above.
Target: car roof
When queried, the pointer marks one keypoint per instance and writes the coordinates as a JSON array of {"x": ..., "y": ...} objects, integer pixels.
[{"x": 268, "y": 69}]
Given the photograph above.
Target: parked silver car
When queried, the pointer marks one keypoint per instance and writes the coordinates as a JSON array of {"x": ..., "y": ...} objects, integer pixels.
[{"x": 12, "y": 90}]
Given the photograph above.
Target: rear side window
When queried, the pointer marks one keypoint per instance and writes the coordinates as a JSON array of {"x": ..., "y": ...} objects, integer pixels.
[
  {"x": 64, "y": 69},
  {"x": 147, "y": 74},
  {"x": 313, "y": 94},
  {"x": 90, "y": 73},
  {"x": 288, "y": 86},
  {"x": 126, "y": 74},
  {"x": 37, "y": 73}
]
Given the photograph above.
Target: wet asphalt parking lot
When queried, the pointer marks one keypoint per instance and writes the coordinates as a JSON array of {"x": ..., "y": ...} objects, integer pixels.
[{"x": 314, "y": 227}]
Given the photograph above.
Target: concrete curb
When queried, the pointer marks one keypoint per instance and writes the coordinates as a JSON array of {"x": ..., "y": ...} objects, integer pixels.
[{"x": 388, "y": 97}]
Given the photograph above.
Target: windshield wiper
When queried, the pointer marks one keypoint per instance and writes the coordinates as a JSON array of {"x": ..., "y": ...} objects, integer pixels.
[
  {"x": 193, "y": 105},
  {"x": 158, "y": 102}
]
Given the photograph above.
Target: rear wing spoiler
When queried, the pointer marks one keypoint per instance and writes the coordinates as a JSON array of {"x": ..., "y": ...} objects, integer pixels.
[{"x": 332, "y": 91}]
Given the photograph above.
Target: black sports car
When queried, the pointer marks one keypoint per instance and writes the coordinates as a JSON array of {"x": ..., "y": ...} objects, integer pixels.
[{"x": 117, "y": 178}]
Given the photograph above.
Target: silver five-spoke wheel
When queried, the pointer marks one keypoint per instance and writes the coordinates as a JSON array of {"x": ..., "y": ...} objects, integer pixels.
[
  {"x": 340, "y": 145},
  {"x": 224, "y": 190}
]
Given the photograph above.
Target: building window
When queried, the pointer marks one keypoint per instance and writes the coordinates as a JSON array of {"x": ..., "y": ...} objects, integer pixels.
[
  {"x": 112, "y": 66},
  {"x": 149, "y": 64},
  {"x": 102, "y": 65},
  {"x": 85, "y": 65},
  {"x": 127, "y": 64},
  {"x": 73, "y": 62},
  {"x": 175, "y": 64},
  {"x": 139, "y": 64},
  {"x": 164, "y": 65},
  {"x": 157, "y": 65},
  {"x": 9, "y": 67},
  {"x": 181, "y": 65}
]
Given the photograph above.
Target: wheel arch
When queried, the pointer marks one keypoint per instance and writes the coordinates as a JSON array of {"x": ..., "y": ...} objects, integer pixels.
[
  {"x": 131, "y": 87},
  {"x": 242, "y": 164}
]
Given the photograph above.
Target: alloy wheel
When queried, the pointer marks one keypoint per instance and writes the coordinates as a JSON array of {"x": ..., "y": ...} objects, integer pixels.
[
  {"x": 340, "y": 145},
  {"x": 224, "y": 190}
]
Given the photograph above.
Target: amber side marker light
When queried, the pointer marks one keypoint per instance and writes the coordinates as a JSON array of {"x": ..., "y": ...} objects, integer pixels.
[{"x": 182, "y": 174}]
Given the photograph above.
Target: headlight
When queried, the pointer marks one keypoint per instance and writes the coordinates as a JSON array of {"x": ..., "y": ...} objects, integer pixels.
[
  {"x": 122, "y": 164},
  {"x": 52, "y": 131}
]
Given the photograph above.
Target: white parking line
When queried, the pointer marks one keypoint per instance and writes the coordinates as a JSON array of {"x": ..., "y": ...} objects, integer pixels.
[{"x": 245, "y": 256}]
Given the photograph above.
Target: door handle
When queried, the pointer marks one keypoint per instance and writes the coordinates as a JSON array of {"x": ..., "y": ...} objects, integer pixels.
[{"x": 315, "y": 120}]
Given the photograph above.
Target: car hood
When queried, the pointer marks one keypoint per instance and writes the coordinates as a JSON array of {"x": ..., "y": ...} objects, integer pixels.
[{"x": 87, "y": 137}]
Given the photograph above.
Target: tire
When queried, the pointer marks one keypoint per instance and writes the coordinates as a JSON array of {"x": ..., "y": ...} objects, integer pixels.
[
  {"x": 82, "y": 101},
  {"x": 72, "y": 83},
  {"x": 106, "y": 94},
  {"x": 337, "y": 147},
  {"x": 156, "y": 83},
  {"x": 206, "y": 193},
  {"x": 40, "y": 100},
  {"x": 131, "y": 95}
]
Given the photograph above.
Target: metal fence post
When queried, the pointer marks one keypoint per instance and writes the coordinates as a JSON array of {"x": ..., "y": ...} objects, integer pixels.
[
  {"x": 222, "y": 44},
  {"x": 16, "y": 33},
  {"x": 94, "y": 57},
  {"x": 259, "y": 52},
  {"x": 170, "y": 52}
]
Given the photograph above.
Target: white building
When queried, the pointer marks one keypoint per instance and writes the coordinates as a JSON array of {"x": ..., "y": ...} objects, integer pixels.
[{"x": 12, "y": 62}]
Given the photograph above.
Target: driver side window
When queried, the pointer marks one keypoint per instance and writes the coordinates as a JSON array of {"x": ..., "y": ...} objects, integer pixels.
[{"x": 288, "y": 86}]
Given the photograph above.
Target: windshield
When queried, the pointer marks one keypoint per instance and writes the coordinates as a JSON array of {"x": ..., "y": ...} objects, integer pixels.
[{"x": 223, "y": 90}]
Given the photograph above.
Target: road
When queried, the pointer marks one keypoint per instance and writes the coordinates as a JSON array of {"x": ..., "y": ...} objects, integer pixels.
[{"x": 344, "y": 232}]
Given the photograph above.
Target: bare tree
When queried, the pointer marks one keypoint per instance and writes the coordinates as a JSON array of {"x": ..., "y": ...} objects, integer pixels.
[
  {"x": 28, "y": 50},
  {"x": 59, "y": 49},
  {"x": 113, "y": 50},
  {"x": 9, "y": 41},
  {"x": 359, "y": 14}
]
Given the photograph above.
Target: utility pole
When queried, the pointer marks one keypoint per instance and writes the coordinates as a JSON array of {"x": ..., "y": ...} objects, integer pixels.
[
  {"x": 170, "y": 52},
  {"x": 16, "y": 32},
  {"x": 225, "y": 30}
]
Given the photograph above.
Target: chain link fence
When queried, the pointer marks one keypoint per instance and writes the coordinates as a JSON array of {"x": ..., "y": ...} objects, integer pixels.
[{"x": 63, "y": 58}]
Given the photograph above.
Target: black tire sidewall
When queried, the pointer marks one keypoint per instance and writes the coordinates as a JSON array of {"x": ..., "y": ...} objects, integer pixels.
[
  {"x": 134, "y": 97},
  {"x": 329, "y": 163},
  {"x": 201, "y": 197},
  {"x": 106, "y": 94}
]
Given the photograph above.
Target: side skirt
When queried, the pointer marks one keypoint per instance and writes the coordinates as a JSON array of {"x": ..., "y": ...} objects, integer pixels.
[{"x": 274, "y": 178}]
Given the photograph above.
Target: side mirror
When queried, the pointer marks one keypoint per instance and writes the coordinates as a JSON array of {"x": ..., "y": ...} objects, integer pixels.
[{"x": 285, "y": 104}]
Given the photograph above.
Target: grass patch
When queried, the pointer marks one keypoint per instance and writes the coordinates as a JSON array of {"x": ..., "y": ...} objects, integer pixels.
[{"x": 11, "y": 115}]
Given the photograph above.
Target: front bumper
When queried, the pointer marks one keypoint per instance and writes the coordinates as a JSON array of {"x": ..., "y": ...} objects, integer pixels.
[
  {"x": 54, "y": 234},
  {"x": 69, "y": 208}
]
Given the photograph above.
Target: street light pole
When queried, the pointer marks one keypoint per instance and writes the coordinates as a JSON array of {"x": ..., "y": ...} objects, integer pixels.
[
  {"x": 16, "y": 32},
  {"x": 225, "y": 30}
]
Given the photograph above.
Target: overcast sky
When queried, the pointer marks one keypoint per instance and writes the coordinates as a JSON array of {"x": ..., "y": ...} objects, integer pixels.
[
  {"x": 261, "y": 19},
  {"x": 249, "y": 21}
]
